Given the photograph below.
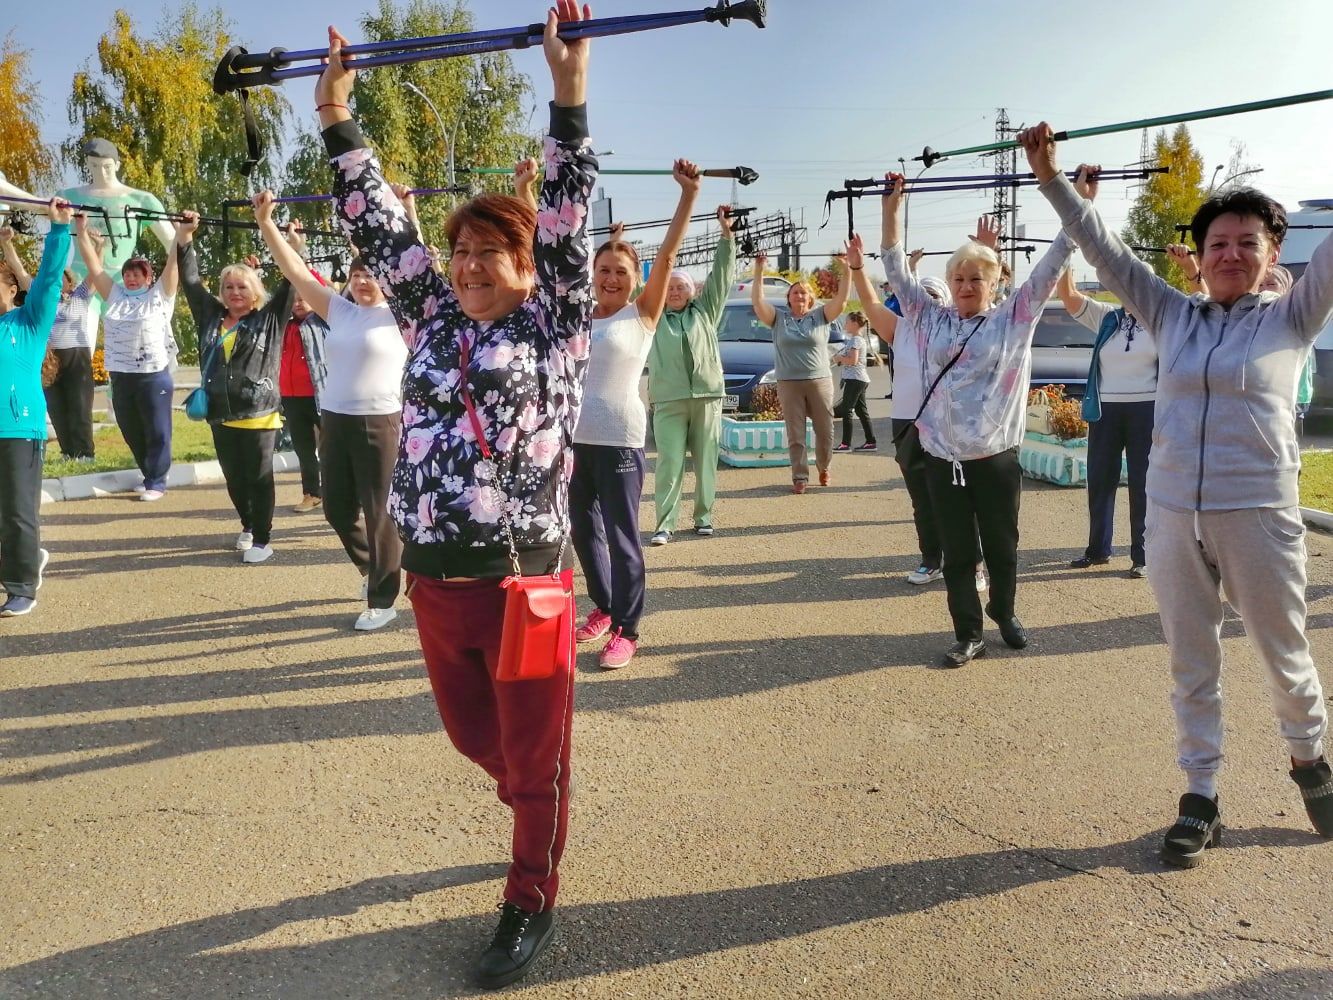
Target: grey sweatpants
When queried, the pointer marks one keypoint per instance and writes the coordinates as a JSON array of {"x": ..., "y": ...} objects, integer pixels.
[{"x": 1257, "y": 556}]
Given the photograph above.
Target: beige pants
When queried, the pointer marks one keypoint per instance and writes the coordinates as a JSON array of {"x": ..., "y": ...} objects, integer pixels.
[{"x": 802, "y": 398}]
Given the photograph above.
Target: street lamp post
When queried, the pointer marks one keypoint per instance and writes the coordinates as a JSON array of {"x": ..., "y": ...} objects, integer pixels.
[{"x": 449, "y": 135}]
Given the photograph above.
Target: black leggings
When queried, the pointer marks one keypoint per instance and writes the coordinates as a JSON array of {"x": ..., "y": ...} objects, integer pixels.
[
  {"x": 854, "y": 399},
  {"x": 246, "y": 457},
  {"x": 302, "y": 417}
]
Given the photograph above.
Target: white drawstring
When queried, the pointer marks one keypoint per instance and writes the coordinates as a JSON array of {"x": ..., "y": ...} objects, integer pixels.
[{"x": 959, "y": 478}]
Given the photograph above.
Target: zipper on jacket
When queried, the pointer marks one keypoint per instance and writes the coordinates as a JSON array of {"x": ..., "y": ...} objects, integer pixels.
[{"x": 1207, "y": 400}]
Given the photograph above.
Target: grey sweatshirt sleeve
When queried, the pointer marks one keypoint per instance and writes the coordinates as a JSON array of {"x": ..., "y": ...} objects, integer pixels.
[
  {"x": 1309, "y": 304},
  {"x": 1134, "y": 282}
]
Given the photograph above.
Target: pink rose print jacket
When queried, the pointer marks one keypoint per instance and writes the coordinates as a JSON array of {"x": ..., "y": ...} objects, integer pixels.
[{"x": 525, "y": 371}]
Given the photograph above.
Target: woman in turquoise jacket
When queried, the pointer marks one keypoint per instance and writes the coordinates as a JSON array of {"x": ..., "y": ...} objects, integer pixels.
[
  {"x": 685, "y": 386},
  {"x": 23, "y": 334}
]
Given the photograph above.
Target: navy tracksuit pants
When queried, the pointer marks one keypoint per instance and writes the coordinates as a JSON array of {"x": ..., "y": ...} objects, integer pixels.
[
  {"x": 142, "y": 404},
  {"x": 604, "y": 499},
  {"x": 1124, "y": 429}
]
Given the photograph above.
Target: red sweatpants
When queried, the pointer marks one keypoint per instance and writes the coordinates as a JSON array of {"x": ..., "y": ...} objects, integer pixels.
[{"x": 518, "y": 731}]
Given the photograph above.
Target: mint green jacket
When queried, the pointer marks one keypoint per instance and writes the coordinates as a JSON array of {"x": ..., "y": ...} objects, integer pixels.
[{"x": 684, "y": 362}]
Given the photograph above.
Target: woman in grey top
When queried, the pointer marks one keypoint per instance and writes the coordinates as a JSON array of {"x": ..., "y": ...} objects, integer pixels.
[
  {"x": 1222, "y": 484},
  {"x": 805, "y": 380}
]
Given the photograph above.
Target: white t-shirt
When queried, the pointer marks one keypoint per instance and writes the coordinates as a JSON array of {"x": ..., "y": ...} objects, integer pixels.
[
  {"x": 136, "y": 329},
  {"x": 365, "y": 353},
  {"x": 856, "y": 372},
  {"x": 907, "y": 387},
  {"x": 613, "y": 412}
]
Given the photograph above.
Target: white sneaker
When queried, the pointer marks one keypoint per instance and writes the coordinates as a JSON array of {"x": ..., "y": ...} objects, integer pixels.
[
  {"x": 257, "y": 554},
  {"x": 141, "y": 488},
  {"x": 373, "y": 618},
  {"x": 244, "y": 540},
  {"x": 923, "y": 574},
  {"x": 45, "y": 557},
  {"x": 660, "y": 538},
  {"x": 982, "y": 582},
  {"x": 151, "y": 496}
]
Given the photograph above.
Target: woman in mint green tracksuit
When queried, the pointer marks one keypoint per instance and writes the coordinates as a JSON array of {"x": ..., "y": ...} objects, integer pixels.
[
  {"x": 23, "y": 334},
  {"x": 685, "y": 387}
]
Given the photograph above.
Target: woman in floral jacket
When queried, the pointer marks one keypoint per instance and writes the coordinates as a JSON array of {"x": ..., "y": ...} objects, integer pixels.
[{"x": 513, "y": 327}]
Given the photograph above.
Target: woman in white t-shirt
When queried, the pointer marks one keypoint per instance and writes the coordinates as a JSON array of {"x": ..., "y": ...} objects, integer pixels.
[
  {"x": 607, "y": 485},
  {"x": 360, "y": 415},
  {"x": 136, "y": 345},
  {"x": 851, "y": 361}
]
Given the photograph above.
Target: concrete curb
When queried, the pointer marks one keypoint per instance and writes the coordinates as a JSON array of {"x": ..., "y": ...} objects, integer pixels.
[
  {"x": 1319, "y": 518},
  {"x": 102, "y": 484}
]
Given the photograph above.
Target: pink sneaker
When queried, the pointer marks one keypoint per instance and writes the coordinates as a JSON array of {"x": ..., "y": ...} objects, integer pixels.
[
  {"x": 597, "y": 625},
  {"x": 618, "y": 652}
]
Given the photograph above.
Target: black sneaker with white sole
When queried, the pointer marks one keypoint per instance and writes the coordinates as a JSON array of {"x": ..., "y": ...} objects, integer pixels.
[
  {"x": 1197, "y": 829},
  {"x": 520, "y": 938},
  {"x": 1316, "y": 785}
]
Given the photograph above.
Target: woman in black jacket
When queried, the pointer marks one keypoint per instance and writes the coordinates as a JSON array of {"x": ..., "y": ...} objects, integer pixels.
[{"x": 240, "y": 352}]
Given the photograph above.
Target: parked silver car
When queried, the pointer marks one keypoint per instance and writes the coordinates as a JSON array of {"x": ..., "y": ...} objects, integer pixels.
[{"x": 1061, "y": 351}]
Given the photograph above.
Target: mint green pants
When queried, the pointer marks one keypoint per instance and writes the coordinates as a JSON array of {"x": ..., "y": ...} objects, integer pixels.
[{"x": 682, "y": 423}]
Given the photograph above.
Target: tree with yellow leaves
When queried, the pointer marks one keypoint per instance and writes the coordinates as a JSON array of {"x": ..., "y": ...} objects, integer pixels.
[
  {"x": 24, "y": 159},
  {"x": 1167, "y": 199}
]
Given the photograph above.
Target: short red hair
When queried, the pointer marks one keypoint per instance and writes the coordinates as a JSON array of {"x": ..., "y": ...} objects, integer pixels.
[{"x": 500, "y": 218}]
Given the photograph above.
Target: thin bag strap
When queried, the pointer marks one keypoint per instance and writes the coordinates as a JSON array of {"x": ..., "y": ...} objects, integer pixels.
[
  {"x": 939, "y": 378},
  {"x": 464, "y": 355}
]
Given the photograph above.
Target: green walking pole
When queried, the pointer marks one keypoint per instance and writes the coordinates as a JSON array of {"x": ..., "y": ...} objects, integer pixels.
[{"x": 929, "y": 157}]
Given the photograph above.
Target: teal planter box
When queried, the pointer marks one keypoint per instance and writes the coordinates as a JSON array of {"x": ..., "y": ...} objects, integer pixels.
[
  {"x": 753, "y": 444},
  {"x": 1065, "y": 463}
]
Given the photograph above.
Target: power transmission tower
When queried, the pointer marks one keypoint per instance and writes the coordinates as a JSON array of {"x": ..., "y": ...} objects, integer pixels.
[{"x": 1006, "y": 201}]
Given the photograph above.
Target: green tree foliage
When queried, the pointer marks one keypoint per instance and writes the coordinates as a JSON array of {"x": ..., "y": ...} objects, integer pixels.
[
  {"x": 1167, "y": 199},
  {"x": 488, "y": 126},
  {"x": 24, "y": 159},
  {"x": 151, "y": 94}
]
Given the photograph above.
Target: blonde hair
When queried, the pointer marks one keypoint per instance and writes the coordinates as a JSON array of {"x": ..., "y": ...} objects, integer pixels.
[
  {"x": 978, "y": 254},
  {"x": 808, "y": 287},
  {"x": 250, "y": 278}
]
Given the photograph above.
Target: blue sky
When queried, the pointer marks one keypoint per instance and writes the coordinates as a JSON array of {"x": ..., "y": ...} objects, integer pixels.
[{"x": 843, "y": 88}]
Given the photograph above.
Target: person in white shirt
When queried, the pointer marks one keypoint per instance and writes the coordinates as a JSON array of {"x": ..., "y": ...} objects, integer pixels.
[
  {"x": 851, "y": 361},
  {"x": 360, "y": 415},
  {"x": 136, "y": 342},
  {"x": 609, "y": 465}
]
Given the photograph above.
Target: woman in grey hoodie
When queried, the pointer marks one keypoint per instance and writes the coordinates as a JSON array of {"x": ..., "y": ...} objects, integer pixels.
[{"x": 1222, "y": 485}]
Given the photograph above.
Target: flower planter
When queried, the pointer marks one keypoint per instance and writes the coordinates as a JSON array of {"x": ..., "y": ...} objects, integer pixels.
[
  {"x": 751, "y": 444},
  {"x": 1065, "y": 463}
]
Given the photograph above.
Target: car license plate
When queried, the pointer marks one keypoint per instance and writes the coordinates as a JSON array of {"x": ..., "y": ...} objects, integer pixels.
[{"x": 731, "y": 402}]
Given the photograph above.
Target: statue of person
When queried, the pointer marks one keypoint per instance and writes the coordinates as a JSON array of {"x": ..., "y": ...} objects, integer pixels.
[{"x": 105, "y": 189}]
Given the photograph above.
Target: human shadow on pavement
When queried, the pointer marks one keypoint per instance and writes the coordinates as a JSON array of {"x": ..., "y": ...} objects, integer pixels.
[
  {"x": 1278, "y": 984},
  {"x": 594, "y": 939}
]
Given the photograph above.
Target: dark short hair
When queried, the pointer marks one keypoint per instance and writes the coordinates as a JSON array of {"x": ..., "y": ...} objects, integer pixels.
[
  {"x": 1240, "y": 201},
  {"x": 358, "y": 264},
  {"x": 94, "y": 146}
]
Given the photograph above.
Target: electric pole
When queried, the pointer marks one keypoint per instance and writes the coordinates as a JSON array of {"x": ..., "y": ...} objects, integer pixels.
[{"x": 1006, "y": 202}]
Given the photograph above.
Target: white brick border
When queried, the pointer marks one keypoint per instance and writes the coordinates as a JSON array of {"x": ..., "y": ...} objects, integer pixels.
[{"x": 102, "y": 484}]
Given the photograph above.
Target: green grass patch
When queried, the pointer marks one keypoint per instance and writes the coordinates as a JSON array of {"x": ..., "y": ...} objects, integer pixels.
[
  {"x": 1317, "y": 480},
  {"x": 191, "y": 441}
]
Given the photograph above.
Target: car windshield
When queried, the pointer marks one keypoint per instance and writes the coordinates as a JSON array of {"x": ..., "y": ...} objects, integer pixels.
[
  {"x": 1058, "y": 329},
  {"x": 741, "y": 324}
]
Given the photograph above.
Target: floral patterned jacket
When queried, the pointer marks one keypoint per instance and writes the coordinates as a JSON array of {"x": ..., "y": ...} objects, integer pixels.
[
  {"x": 525, "y": 371},
  {"x": 978, "y": 408}
]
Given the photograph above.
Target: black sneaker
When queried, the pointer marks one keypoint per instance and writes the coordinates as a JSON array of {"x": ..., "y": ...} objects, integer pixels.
[
  {"x": 964, "y": 652},
  {"x": 1083, "y": 562},
  {"x": 1013, "y": 633},
  {"x": 519, "y": 940},
  {"x": 1197, "y": 828},
  {"x": 1316, "y": 785}
]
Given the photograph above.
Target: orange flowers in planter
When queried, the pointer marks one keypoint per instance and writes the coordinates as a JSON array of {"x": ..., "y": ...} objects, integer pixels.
[
  {"x": 1067, "y": 421},
  {"x": 765, "y": 404},
  {"x": 100, "y": 376}
]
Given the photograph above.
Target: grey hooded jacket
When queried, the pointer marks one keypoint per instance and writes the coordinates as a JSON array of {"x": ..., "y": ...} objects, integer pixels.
[{"x": 1225, "y": 431}]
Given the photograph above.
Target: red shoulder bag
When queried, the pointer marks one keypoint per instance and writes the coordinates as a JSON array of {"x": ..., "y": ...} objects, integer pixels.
[{"x": 537, "y": 637}]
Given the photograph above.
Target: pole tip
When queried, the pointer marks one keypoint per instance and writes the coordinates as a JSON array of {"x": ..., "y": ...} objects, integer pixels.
[{"x": 929, "y": 157}]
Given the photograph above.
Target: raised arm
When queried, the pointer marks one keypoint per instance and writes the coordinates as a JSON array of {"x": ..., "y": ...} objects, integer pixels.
[
  {"x": 92, "y": 259},
  {"x": 912, "y": 297},
  {"x": 1188, "y": 264},
  {"x": 16, "y": 268},
  {"x": 1146, "y": 295},
  {"x": 289, "y": 261},
  {"x": 1073, "y": 299},
  {"x": 763, "y": 312},
  {"x": 652, "y": 300},
  {"x": 44, "y": 293},
  {"x": 390, "y": 244},
  {"x": 169, "y": 280},
  {"x": 409, "y": 201},
  {"x": 525, "y": 180},
  {"x": 712, "y": 298},
  {"x": 1309, "y": 304},
  {"x": 833, "y": 307},
  {"x": 204, "y": 307},
  {"x": 882, "y": 320}
]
